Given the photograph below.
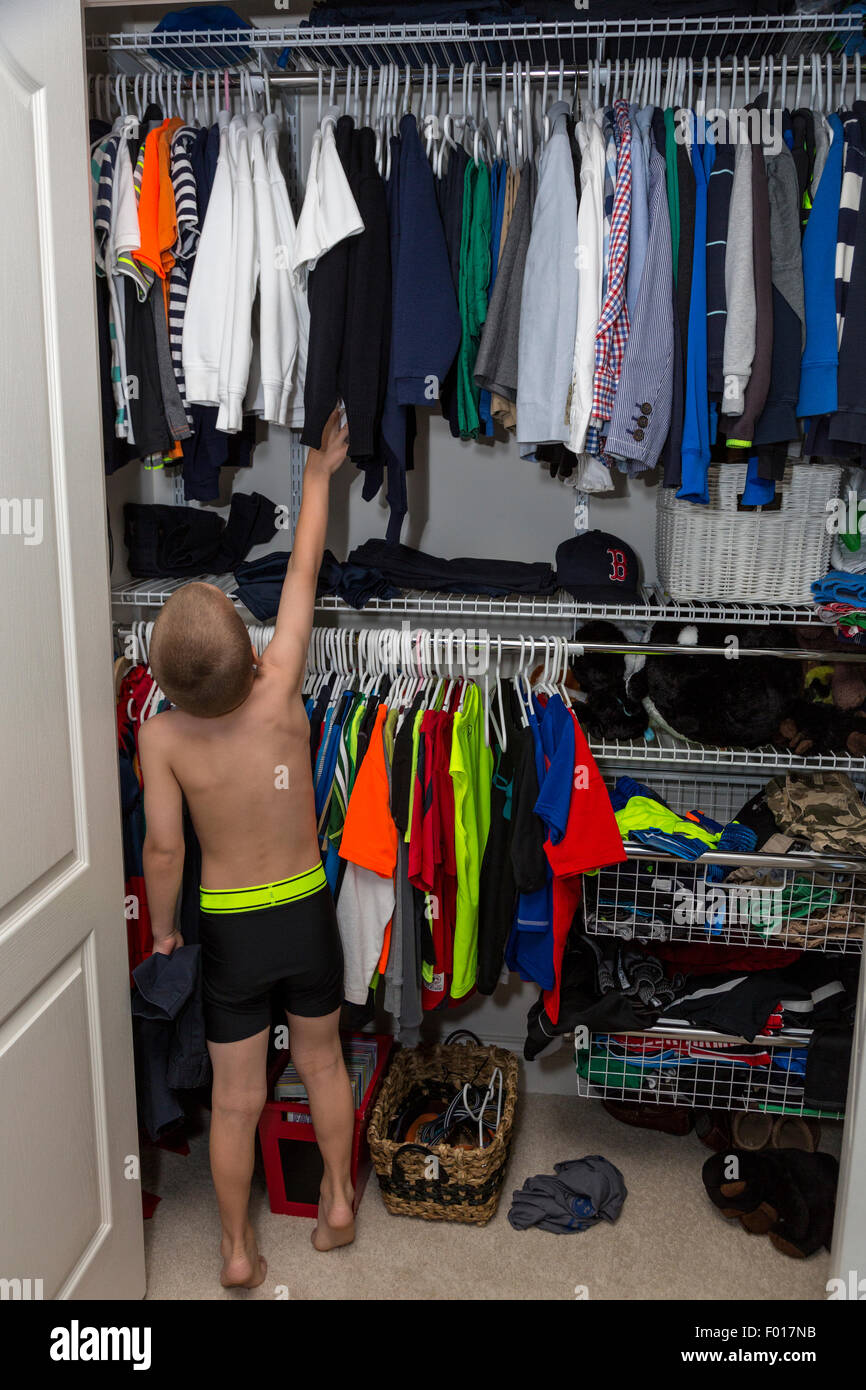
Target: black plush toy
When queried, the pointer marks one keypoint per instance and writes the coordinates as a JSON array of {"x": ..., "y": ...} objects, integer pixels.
[
  {"x": 719, "y": 699},
  {"x": 609, "y": 712},
  {"x": 747, "y": 701}
]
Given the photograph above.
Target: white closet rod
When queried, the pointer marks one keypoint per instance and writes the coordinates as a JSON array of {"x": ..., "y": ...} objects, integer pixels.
[
  {"x": 532, "y": 647},
  {"x": 306, "y": 83}
]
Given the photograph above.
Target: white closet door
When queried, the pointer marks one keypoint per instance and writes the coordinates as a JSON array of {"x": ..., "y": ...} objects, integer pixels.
[{"x": 69, "y": 1214}]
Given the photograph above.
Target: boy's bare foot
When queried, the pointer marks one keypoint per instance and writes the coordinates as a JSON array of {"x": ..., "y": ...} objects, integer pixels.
[
  {"x": 244, "y": 1268},
  {"x": 336, "y": 1223}
]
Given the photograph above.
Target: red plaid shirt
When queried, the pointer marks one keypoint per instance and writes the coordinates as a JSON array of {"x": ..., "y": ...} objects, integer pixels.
[{"x": 611, "y": 334}]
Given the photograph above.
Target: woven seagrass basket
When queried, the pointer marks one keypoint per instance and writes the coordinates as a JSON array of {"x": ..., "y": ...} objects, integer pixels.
[{"x": 442, "y": 1183}]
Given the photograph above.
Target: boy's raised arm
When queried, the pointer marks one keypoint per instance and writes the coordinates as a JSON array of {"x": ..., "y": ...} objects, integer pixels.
[{"x": 287, "y": 651}]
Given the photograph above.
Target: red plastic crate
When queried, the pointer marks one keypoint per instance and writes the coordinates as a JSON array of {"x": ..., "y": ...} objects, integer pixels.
[{"x": 293, "y": 1164}]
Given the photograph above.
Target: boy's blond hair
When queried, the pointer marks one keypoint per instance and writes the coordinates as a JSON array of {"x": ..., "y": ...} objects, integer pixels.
[{"x": 200, "y": 652}]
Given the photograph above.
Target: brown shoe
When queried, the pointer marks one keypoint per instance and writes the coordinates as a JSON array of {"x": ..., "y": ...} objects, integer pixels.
[{"x": 667, "y": 1119}]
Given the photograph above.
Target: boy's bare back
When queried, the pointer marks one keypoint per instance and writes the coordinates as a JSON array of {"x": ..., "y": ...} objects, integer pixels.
[
  {"x": 247, "y": 781},
  {"x": 245, "y": 773}
]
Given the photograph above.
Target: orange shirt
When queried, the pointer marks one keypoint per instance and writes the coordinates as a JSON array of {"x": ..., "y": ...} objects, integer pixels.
[{"x": 157, "y": 215}]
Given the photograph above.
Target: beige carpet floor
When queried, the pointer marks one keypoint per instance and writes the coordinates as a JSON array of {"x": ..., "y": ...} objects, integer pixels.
[{"x": 669, "y": 1242}]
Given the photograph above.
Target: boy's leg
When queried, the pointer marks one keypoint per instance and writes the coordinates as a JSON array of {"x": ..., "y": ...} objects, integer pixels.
[
  {"x": 239, "y": 1092},
  {"x": 318, "y": 1055}
]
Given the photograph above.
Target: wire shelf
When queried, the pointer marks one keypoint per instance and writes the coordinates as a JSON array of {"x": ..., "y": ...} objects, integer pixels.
[
  {"x": 651, "y": 606},
  {"x": 704, "y": 1070},
  {"x": 665, "y": 750},
  {"x": 153, "y": 593},
  {"x": 569, "y": 41}
]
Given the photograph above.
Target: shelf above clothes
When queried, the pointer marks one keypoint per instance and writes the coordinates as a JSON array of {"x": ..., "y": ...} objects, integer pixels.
[
  {"x": 653, "y": 605},
  {"x": 568, "y": 42}
]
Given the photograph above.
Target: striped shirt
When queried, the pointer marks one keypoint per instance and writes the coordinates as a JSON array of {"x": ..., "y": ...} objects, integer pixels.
[
  {"x": 853, "y": 164},
  {"x": 721, "y": 182},
  {"x": 188, "y": 229}
]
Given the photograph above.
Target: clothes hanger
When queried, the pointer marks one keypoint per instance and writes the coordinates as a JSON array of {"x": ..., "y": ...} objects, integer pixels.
[
  {"x": 798, "y": 90},
  {"x": 545, "y": 123}
]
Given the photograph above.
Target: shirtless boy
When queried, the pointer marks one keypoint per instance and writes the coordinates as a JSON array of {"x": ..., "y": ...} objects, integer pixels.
[{"x": 237, "y": 746}]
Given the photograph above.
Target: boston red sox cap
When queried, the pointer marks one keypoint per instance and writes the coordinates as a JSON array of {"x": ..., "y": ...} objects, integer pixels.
[{"x": 596, "y": 567}]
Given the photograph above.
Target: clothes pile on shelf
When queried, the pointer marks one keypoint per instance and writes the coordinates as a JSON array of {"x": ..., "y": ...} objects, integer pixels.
[
  {"x": 184, "y": 542},
  {"x": 807, "y": 707},
  {"x": 840, "y": 598},
  {"x": 615, "y": 990},
  {"x": 449, "y": 857},
  {"x": 377, "y": 570}
]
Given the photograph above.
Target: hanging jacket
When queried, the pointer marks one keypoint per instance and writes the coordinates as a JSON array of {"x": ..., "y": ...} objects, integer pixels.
[
  {"x": 548, "y": 306},
  {"x": 739, "y": 346},
  {"x": 818, "y": 387},
  {"x": 642, "y": 408},
  {"x": 740, "y": 432},
  {"x": 778, "y": 422}
]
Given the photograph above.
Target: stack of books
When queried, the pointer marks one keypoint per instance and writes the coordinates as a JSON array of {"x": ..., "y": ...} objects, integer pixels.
[{"x": 360, "y": 1052}]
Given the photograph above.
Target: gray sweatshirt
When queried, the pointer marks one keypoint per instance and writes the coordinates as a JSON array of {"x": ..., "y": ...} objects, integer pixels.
[{"x": 739, "y": 350}]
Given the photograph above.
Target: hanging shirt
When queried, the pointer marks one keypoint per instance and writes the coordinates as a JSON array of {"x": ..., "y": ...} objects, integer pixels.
[
  {"x": 582, "y": 830},
  {"x": 369, "y": 846},
  {"x": 613, "y": 325},
  {"x": 471, "y": 770}
]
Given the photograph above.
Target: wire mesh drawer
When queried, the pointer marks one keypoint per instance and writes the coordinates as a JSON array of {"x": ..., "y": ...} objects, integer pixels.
[
  {"x": 703, "y": 1070},
  {"x": 763, "y": 901}
]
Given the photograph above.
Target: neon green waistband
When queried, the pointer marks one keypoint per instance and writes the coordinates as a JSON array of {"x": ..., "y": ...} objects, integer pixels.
[{"x": 289, "y": 890}]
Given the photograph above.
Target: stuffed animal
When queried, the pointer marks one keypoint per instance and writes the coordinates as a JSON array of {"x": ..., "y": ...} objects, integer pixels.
[
  {"x": 723, "y": 700},
  {"x": 609, "y": 711}
]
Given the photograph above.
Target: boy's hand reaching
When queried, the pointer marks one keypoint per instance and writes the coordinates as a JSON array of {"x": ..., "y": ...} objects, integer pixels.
[{"x": 333, "y": 449}]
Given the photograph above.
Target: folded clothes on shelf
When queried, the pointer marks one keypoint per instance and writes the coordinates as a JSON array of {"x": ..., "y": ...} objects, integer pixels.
[
  {"x": 260, "y": 583},
  {"x": 413, "y": 569},
  {"x": 643, "y": 816},
  {"x": 166, "y": 542},
  {"x": 839, "y": 586},
  {"x": 823, "y": 808}
]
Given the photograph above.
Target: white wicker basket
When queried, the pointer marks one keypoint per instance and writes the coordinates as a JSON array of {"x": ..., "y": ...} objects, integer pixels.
[{"x": 716, "y": 552}]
